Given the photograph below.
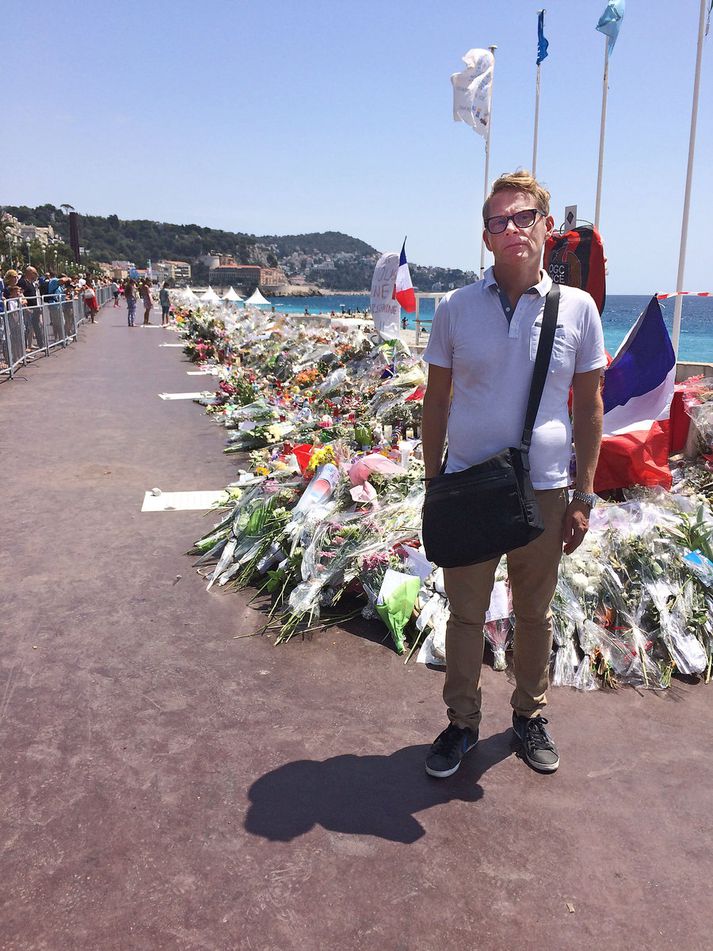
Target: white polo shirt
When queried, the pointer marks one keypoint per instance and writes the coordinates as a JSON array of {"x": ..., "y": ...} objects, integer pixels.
[{"x": 492, "y": 362}]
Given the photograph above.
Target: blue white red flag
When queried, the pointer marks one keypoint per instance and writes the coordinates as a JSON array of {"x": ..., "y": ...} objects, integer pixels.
[
  {"x": 610, "y": 21},
  {"x": 638, "y": 389},
  {"x": 542, "y": 43},
  {"x": 403, "y": 289}
]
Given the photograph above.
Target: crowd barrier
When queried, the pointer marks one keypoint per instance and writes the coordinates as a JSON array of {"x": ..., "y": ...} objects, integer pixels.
[{"x": 31, "y": 332}]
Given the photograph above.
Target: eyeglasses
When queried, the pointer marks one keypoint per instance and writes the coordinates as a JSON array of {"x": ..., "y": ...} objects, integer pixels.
[{"x": 521, "y": 219}]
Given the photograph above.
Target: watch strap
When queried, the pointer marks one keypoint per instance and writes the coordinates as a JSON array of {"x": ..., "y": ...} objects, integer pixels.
[{"x": 586, "y": 497}]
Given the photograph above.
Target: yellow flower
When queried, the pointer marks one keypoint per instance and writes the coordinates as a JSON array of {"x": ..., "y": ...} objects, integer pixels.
[{"x": 321, "y": 456}]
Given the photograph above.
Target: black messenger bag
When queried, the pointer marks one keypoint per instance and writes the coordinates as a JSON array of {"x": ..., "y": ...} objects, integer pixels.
[{"x": 487, "y": 510}]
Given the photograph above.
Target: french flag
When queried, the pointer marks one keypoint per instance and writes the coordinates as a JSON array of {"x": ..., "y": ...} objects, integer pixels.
[
  {"x": 638, "y": 389},
  {"x": 403, "y": 289}
]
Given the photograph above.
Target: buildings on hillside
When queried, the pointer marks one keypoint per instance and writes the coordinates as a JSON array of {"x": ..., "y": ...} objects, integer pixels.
[
  {"x": 175, "y": 272},
  {"x": 18, "y": 233},
  {"x": 228, "y": 273}
]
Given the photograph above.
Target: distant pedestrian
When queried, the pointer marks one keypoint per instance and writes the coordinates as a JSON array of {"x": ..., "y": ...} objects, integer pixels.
[
  {"x": 52, "y": 287},
  {"x": 145, "y": 291},
  {"x": 33, "y": 315},
  {"x": 91, "y": 307},
  {"x": 115, "y": 293},
  {"x": 165, "y": 301},
  {"x": 130, "y": 297}
]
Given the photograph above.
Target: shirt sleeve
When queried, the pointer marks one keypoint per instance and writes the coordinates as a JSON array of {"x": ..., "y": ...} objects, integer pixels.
[
  {"x": 591, "y": 354},
  {"x": 439, "y": 350}
]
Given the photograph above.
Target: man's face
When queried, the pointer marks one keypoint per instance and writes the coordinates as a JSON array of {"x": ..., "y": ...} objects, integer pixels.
[
  {"x": 30, "y": 274},
  {"x": 517, "y": 246}
]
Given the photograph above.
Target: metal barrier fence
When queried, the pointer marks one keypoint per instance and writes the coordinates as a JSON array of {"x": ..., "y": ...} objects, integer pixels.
[{"x": 27, "y": 333}]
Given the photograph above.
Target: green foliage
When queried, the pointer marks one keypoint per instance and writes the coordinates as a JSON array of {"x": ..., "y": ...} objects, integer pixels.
[
  {"x": 327, "y": 242},
  {"x": 110, "y": 238}
]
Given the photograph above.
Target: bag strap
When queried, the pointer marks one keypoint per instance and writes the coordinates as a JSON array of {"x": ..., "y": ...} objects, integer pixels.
[{"x": 542, "y": 363}]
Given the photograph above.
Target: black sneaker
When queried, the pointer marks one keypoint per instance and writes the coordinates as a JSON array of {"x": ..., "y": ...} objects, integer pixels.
[
  {"x": 448, "y": 749},
  {"x": 538, "y": 747}
]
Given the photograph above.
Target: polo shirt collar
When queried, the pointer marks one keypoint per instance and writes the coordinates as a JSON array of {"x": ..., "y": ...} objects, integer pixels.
[{"x": 542, "y": 287}]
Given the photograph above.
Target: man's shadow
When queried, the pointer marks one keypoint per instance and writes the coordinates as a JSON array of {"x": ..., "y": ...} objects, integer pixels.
[{"x": 364, "y": 795}]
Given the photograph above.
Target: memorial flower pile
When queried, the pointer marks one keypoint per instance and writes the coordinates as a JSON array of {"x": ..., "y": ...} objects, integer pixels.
[{"x": 328, "y": 512}]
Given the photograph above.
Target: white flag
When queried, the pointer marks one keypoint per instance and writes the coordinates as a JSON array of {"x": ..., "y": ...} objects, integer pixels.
[{"x": 472, "y": 90}]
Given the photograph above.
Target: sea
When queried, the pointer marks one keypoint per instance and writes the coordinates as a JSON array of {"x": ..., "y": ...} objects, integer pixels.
[{"x": 620, "y": 313}]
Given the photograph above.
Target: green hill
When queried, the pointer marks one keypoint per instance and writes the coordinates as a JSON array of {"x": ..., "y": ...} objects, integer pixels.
[{"x": 327, "y": 259}]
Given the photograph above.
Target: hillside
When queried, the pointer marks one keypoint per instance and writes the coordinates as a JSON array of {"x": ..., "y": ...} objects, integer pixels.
[{"x": 327, "y": 259}]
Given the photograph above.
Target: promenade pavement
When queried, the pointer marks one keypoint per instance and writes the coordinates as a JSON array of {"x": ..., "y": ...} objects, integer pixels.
[{"x": 165, "y": 785}]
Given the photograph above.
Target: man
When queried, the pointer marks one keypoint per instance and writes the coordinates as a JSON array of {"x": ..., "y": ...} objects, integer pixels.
[
  {"x": 33, "y": 315},
  {"x": 165, "y": 300},
  {"x": 145, "y": 292},
  {"x": 481, "y": 354},
  {"x": 130, "y": 298}
]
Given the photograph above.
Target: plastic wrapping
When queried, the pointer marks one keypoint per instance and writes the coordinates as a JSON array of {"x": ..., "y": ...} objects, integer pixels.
[{"x": 499, "y": 635}]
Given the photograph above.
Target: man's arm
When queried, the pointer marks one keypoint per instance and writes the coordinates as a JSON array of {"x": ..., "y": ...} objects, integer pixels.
[
  {"x": 587, "y": 412},
  {"x": 436, "y": 403}
]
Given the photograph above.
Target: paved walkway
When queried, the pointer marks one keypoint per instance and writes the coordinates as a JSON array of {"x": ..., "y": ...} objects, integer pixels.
[{"x": 166, "y": 786}]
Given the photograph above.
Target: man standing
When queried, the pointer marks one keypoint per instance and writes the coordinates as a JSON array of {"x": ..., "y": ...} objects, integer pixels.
[
  {"x": 145, "y": 292},
  {"x": 481, "y": 355},
  {"x": 130, "y": 298},
  {"x": 165, "y": 301},
  {"x": 33, "y": 315}
]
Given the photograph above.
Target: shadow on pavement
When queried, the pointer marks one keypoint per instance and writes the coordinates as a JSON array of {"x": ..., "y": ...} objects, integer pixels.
[{"x": 364, "y": 795}]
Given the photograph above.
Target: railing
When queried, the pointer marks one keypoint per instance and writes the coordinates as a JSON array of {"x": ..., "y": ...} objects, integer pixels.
[
  {"x": 27, "y": 333},
  {"x": 420, "y": 321}
]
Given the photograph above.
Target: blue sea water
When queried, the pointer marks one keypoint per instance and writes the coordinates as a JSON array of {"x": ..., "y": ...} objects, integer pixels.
[{"x": 621, "y": 311}]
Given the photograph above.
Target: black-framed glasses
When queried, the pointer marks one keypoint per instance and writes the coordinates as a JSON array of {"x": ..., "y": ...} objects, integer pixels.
[{"x": 521, "y": 219}]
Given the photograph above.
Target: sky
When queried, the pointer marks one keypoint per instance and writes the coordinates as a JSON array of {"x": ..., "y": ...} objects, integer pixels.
[{"x": 289, "y": 117}]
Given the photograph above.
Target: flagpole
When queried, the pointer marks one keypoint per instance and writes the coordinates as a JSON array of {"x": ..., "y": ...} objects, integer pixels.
[
  {"x": 602, "y": 128},
  {"x": 487, "y": 158},
  {"x": 689, "y": 178},
  {"x": 537, "y": 117}
]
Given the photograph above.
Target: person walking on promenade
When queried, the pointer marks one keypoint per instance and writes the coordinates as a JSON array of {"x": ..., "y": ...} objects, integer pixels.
[
  {"x": 90, "y": 300},
  {"x": 145, "y": 291},
  {"x": 165, "y": 301},
  {"x": 115, "y": 293},
  {"x": 130, "y": 297},
  {"x": 481, "y": 355},
  {"x": 33, "y": 315}
]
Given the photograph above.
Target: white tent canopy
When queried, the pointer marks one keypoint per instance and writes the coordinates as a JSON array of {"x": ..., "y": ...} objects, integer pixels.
[
  {"x": 232, "y": 295},
  {"x": 190, "y": 295},
  {"x": 257, "y": 298},
  {"x": 210, "y": 297}
]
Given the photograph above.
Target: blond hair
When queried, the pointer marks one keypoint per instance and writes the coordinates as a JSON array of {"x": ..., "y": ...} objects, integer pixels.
[
  {"x": 521, "y": 181},
  {"x": 12, "y": 275}
]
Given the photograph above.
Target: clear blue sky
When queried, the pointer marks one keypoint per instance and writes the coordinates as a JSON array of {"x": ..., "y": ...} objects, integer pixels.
[{"x": 286, "y": 117}]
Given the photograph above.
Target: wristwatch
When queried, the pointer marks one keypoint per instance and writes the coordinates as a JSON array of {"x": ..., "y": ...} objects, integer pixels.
[{"x": 589, "y": 499}]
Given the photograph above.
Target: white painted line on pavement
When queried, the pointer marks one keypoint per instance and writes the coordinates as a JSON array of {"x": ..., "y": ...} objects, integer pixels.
[
  {"x": 183, "y": 501},
  {"x": 172, "y": 345},
  {"x": 185, "y": 396},
  {"x": 202, "y": 372}
]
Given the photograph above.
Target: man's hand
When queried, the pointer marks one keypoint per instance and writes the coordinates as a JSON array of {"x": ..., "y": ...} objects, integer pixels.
[{"x": 576, "y": 525}]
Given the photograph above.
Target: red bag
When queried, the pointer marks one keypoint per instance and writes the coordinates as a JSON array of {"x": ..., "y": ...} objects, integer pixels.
[{"x": 576, "y": 258}]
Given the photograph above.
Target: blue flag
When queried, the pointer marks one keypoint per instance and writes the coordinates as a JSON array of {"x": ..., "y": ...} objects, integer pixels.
[
  {"x": 610, "y": 21},
  {"x": 542, "y": 43}
]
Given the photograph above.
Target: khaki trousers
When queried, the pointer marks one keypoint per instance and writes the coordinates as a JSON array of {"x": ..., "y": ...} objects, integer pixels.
[{"x": 532, "y": 571}]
